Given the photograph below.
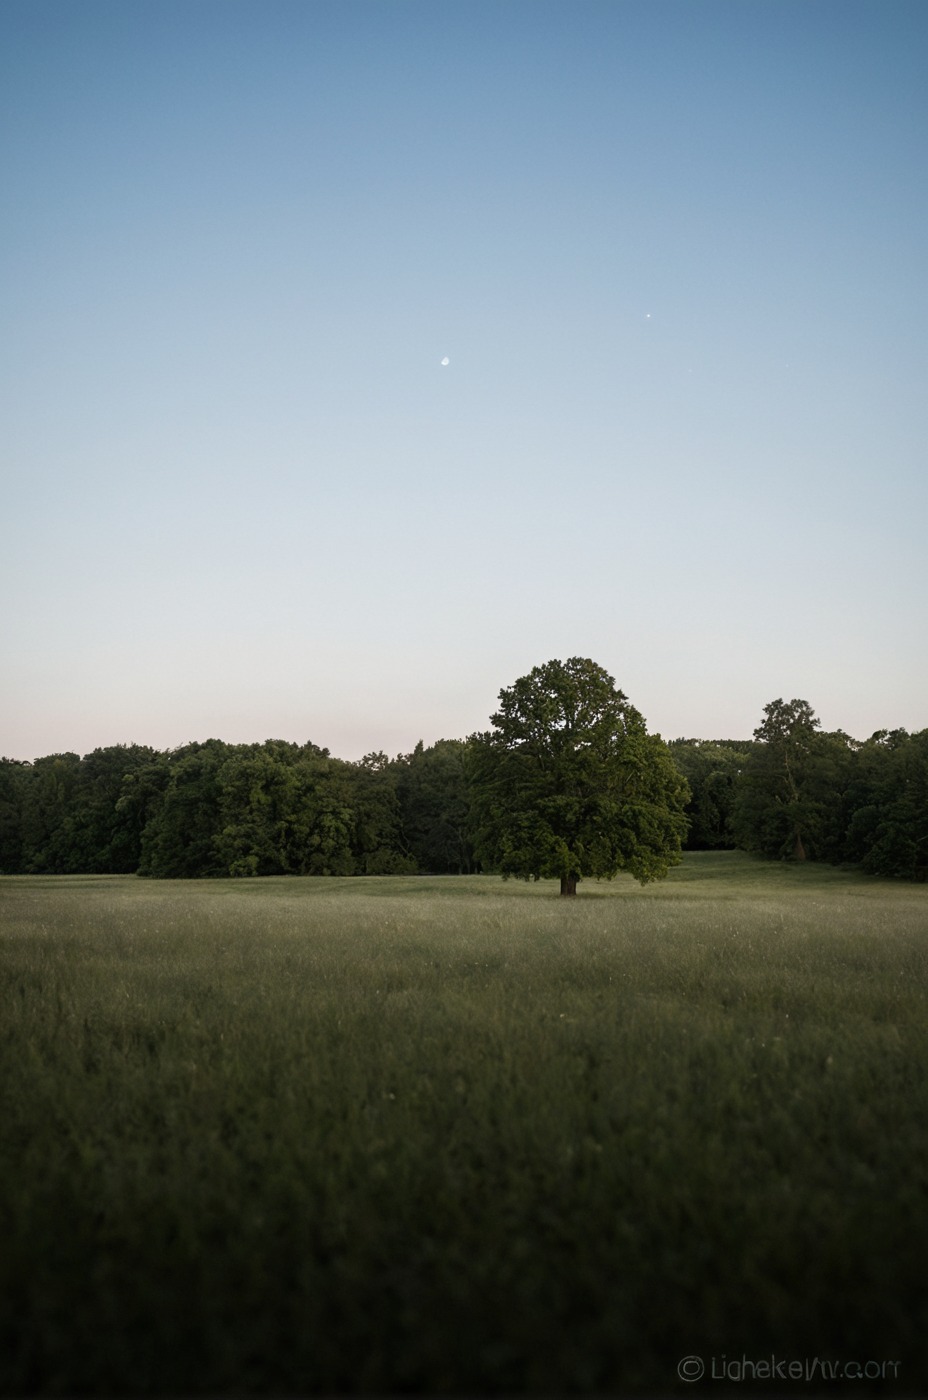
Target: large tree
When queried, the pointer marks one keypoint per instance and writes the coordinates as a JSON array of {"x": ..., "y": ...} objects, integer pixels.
[{"x": 569, "y": 784}]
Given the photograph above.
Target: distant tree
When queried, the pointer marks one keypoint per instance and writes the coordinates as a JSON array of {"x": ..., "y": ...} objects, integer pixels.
[
  {"x": 888, "y": 830},
  {"x": 569, "y": 784},
  {"x": 102, "y": 835},
  {"x": 269, "y": 809},
  {"x": 324, "y": 828},
  {"x": 791, "y": 795},
  {"x": 255, "y": 799},
  {"x": 435, "y": 807},
  {"x": 48, "y": 813},
  {"x": 179, "y": 841},
  {"x": 14, "y": 778},
  {"x": 712, "y": 769},
  {"x": 141, "y": 796},
  {"x": 831, "y": 782},
  {"x": 377, "y": 843}
]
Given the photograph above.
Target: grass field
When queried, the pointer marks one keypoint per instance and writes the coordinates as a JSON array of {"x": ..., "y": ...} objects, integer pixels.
[{"x": 460, "y": 1136}]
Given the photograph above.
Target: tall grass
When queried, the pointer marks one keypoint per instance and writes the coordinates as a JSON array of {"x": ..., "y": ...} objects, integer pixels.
[{"x": 458, "y": 1135}]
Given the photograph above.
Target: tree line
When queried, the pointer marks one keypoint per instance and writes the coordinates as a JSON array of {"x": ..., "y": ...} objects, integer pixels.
[
  {"x": 568, "y": 782},
  {"x": 798, "y": 793}
]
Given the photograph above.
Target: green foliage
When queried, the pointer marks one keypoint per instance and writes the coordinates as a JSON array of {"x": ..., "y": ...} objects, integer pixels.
[
  {"x": 790, "y": 803},
  {"x": 274, "y": 809},
  {"x": 319, "y": 820},
  {"x": 179, "y": 842},
  {"x": 47, "y": 812},
  {"x": 712, "y": 769},
  {"x": 255, "y": 800},
  {"x": 435, "y": 807},
  {"x": 569, "y": 784},
  {"x": 14, "y": 777},
  {"x": 104, "y": 837},
  {"x": 70, "y": 814},
  {"x": 888, "y": 831},
  {"x": 379, "y": 846}
]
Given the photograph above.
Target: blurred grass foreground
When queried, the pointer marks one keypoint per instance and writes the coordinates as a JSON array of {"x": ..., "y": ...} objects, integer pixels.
[{"x": 460, "y": 1136}]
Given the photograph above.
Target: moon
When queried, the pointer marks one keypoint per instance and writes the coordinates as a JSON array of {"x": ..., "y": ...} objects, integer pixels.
[{"x": 446, "y": 361}]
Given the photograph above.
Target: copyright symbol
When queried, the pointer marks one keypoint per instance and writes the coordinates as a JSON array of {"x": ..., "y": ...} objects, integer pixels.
[{"x": 691, "y": 1368}]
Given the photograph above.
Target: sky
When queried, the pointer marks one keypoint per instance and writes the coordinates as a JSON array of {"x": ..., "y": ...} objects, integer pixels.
[{"x": 360, "y": 355}]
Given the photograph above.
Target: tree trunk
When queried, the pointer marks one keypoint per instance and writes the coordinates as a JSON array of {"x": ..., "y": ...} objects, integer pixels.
[
  {"x": 799, "y": 850},
  {"x": 569, "y": 884}
]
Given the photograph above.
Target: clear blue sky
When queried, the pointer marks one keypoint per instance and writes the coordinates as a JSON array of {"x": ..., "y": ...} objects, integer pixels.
[{"x": 675, "y": 254}]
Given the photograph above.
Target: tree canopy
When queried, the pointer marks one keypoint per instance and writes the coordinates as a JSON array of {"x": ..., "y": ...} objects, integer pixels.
[
  {"x": 790, "y": 802},
  {"x": 569, "y": 784},
  {"x": 713, "y": 769}
]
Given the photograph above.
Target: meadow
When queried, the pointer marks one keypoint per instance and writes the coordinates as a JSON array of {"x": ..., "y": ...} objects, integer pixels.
[{"x": 458, "y": 1136}]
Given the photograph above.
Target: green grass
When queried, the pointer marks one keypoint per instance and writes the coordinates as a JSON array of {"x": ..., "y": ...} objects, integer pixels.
[{"x": 458, "y": 1135}]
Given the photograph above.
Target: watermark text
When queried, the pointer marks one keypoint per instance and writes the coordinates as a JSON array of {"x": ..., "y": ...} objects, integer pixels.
[{"x": 783, "y": 1368}]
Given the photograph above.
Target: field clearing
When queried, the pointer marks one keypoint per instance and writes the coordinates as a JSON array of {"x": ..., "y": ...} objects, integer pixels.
[{"x": 455, "y": 1135}]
